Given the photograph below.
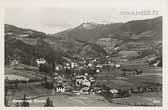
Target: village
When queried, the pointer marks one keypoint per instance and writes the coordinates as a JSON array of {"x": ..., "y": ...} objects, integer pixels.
[{"x": 85, "y": 76}]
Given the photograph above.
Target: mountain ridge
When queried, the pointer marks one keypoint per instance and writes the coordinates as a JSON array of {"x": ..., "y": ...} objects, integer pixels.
[{"x": 99, "y": 40}]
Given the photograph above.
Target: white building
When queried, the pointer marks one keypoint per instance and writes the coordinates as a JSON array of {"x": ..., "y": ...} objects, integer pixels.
[
  {"x": 60, "y": 89},
  {"x": 99, "y": 66},
  {"x": 90, "y": 65},
  {"x": 97, "y": 71},
  {"x": 114, "y": 92},
  {"x": 86, "y": 74},
  {"x": 40, "y": 61},
  {"x": 117, "y": 65},
  {"x": 74, "y": 64},
  {"x": 57, "y": 68},
  {"x": 91, "y": 79},
  {"x": 9, "y": 33},
  {"x": 24, "y": 35},
  {"x": 14, "y": 62}
]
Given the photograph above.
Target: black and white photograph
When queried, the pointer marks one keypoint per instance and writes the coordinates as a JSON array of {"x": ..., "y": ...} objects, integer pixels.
[{"x": 95, "y": 56}]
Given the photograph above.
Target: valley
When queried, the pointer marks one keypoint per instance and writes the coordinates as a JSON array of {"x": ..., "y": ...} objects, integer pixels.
[{"x": 117, "y": 64}]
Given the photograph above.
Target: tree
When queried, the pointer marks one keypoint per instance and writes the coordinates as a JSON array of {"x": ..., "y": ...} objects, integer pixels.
[
  {"x": 6, "y": 92},
  {"x": 67, "y": 73},
  {"x": 44, "y": 68},
  {"x": 46, "y": 82},
  {"x": 16, "y": 83},
  {"x": 49, "y": 103},
  {"x": 25, "y": 103}
]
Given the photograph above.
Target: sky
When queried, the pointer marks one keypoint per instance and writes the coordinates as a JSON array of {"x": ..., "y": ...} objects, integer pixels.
[{"x": 55, "y": 16}]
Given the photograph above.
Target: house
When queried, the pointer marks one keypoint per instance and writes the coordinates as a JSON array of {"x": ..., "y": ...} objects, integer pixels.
[
  {"x": 156, "y": 64},
  {"x": 86, "y": 74},
  {"x": 81, "y": 80},
  {"x": 8, "y": 33},
  {"x": 97, "y": 70},
  {"x": 40, "y": 61},
  {"x": 78, "y": 82},
  {"x": 58, "y": 78},
  {"x": 60, "y": 88},
  {"x": 92, "y": 81},
  {"x": 55, "y": 74},
  {"x": 117, "y": 48},
  {"x": 85, "y": 90},
  {"x": 24, "y": 35},
  {"x": 97, "y": 90},
  {"x": 14, "y": 62},
  {"x": 114, "y": 92},
  {"x": 86, "y": 82},
  {"x": 73, "y": 64},
  {"x": 99, "y": 66},
  {"x": 90, "y": 64},
  {"x": 91, "y": 78},
  {"x": 76, "y": 92},
  {"x": 117, "y": 65},
  {"x": 58, "y": 67}
]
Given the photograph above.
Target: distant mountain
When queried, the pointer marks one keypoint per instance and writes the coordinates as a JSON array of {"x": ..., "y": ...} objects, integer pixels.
[
  {"x": 139, "y": 26},
  {"x": 88, "y": 39},
  {"x": 89, "y": 32},
  {"x": 27, "y": 45},
  {"x": 132, "y": 35}
]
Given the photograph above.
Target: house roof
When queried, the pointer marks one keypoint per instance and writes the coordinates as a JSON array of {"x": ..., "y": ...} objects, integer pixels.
[{"x": 59, "y": 86}]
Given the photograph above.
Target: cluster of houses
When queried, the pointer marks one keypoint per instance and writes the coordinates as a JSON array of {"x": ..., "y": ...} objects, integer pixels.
[{"x": 84, "y": 83}]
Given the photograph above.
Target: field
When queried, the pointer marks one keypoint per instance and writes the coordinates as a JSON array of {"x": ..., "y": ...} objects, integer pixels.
[
  {"x": 34, "y": 89},
  {"x": 64, "y": 99},
  {"x": 81, "y": 100},
  {"x": 22, "y": 72},
  {"x": 113, "y": 79},
  {"x": 128, "y": 54},
  {"x": 144, "y": 99},
  {"x": 151, "y": 77},
  {"x": 28, "y": 40},
  {"x": 28, "y": 90}
]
